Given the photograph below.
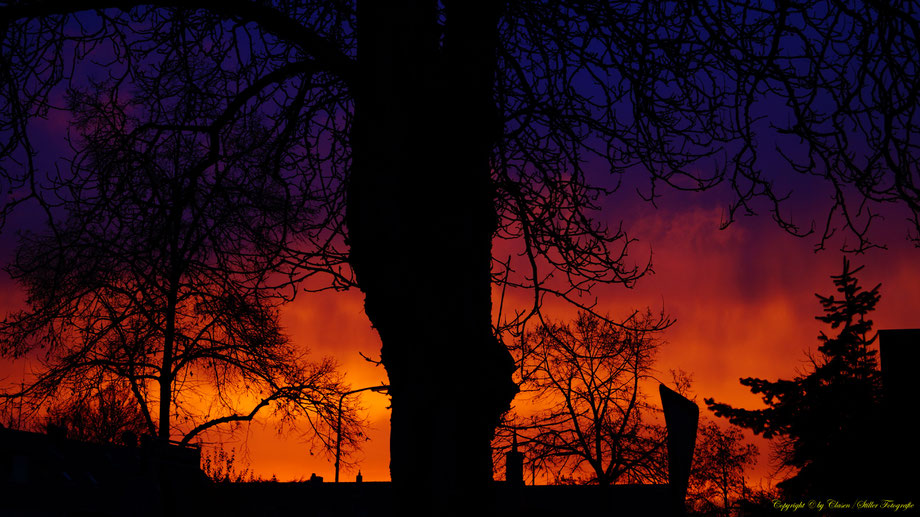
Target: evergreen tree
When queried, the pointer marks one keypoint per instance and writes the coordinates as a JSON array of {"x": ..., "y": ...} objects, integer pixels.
[{"x": 825, "y": 419}]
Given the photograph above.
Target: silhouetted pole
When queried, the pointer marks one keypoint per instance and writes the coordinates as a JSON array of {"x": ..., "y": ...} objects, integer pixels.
[{"x": 338, "y": 425}]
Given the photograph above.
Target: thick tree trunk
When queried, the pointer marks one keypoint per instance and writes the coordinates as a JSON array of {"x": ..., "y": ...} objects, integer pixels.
[{"x": 420, "y": 221}]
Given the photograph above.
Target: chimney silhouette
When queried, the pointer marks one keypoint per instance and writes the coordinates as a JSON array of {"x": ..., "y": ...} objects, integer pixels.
[{"x": 514, "y": 464}]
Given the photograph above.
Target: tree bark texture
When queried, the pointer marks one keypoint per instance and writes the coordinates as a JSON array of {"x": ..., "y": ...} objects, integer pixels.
[{"x": 420, "y": 222}]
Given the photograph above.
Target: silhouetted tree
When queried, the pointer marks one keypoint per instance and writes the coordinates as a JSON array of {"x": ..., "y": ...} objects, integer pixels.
[
  {"x": 448, "y": 124},
  {"x": 589, "y": 420},
  {"x": 222, "y": 466},
  {"x": 717, "y": 475},
  {"x": 108, "y": 414},
  {"x": 156, "y": 278},
  {"x": 826, "y": 419}
]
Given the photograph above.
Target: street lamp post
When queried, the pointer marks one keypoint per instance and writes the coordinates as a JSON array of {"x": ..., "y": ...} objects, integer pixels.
[{"x": 338, "y": 425}]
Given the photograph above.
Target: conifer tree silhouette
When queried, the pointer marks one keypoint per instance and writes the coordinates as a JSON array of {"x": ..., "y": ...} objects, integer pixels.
[{"x": 824, "y": 419}]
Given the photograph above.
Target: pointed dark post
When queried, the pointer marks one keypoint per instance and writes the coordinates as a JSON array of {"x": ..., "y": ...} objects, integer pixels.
[{"x": 681, "y": 416}]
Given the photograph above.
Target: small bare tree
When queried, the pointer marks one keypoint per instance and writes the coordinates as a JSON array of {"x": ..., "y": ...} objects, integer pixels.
[
  {"x": 591, "y": 424},
  {"x": 717, "y": 476},
  {"x": 226, "y": 467},
  {"x": 108, "y": 414},
  {"x": 159, "y": 273}
]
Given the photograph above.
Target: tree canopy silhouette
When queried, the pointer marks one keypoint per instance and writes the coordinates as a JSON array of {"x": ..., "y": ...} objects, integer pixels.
[
  {"x": 156, "y": 275},
  {"x": 588, "y": 420},
  {"x": 107, "y": 414},
  {"x": 826, "y": 419},
  {"x": 717, "y": 476},
  {"x": 434, "y": 127}
]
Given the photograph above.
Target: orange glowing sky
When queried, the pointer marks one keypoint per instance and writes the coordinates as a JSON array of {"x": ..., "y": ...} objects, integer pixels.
[{"x": 743, "y": 300}]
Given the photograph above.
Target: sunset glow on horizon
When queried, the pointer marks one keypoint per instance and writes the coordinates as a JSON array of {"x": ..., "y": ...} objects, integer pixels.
[
  {"x": 743, "y": 300},
  {"x": 459, "y": 258}
]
